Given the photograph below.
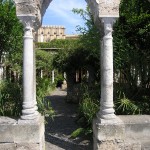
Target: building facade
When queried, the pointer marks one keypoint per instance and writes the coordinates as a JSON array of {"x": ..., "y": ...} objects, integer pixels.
[{"x": 49, "y": 33}]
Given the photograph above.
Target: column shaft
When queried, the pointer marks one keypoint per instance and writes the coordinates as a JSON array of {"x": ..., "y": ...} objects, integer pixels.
[
  {"x": 34, "y": 82},
  {"x": 28, "y": 111},
  {"x": 53, "y": 76},
  {"x": 106, "y": 104}
]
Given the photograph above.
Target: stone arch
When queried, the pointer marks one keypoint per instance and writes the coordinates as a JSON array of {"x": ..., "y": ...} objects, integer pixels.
[
  {"x": 30, "y": 13},
  {"x": 105, "y": 12},
  {"x": 35, "y": 9}
]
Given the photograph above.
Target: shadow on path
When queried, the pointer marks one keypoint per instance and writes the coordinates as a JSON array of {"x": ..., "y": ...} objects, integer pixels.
[{"x": 58, "y": 131}]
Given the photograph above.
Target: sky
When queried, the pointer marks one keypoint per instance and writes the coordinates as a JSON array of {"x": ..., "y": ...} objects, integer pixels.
[{"x": 60, "y": 12}]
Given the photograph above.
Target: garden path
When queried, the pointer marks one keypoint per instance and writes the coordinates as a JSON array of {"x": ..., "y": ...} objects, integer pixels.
[{"x": 58, "y": 131}]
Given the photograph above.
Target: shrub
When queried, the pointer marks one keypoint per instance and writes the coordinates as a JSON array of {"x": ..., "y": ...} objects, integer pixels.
[
  {"x": 124, "y": 106},
  {"x": 10, "y": 99},
  {"x": 88, "y": 109},
  {"x": 44, "y": 87}
]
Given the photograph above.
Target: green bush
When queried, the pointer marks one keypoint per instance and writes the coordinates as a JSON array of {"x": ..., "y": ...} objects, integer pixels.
[
  {"x": 124, "y": 106},
  {"x": 144, "y": 105},
  {"x": 88, "y": 109},
  {"x": 44, "y": 87},
  {"x": 127, "y": 106},
  {"x": 88, "y": 106},
  {"x": 10, "y": 99}
]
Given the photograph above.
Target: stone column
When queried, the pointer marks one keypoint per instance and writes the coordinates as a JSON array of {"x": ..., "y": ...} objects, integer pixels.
[
  {"x": 41, "y": 73},
  {"x": 53, "y": 76},
  {"x": 34, "y": 82},
  {"x": 1, "y": 72},
  {"x": 108, "y": 129},
  {"x": 106, "y": 104},
  {"x": 29, "y": 109}
]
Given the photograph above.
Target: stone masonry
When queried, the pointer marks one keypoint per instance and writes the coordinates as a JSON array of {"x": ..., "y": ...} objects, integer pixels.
[{"x": 22, "y": 134}]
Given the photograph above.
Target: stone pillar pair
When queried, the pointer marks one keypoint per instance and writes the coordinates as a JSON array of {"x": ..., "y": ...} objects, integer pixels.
[{"x": 29, "y": 89}]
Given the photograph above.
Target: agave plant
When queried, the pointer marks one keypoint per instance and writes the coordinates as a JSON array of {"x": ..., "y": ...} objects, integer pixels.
[{"x": 125, "y": 106}]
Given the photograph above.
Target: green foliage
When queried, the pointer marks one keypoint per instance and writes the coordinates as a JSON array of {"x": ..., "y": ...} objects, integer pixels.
[
  {"x": 77, "y": 132},
  {"x": 45, "y": 108},
  {"x": 144, "y": 105},
  {"x": 88, "y": 106},
  {"x": 89, "y": 39},
  {"x": 58, "y": 43},
  {"x": 124, "y": 106},
  {"x": 44, "y": 87},
  {"x": 10, "y": 99},
  {"x": 90, "y": 35},
  {"x": 82, "y": 52},
  {"x": 131, "y": 52},
  {"x": 10, "y": 29},
  {"x": 67, "y": 57},
  {"x": 44, "y": 60},
  {"x": 11, "y": 33},
  {"x": 131, "y": 42},
  {"x": 58, "y": 78}
]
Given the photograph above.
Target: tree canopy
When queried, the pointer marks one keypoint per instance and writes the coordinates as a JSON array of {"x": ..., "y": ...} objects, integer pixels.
[
  {"x": 10, "y": 28},
  {"x": 83, "y": 52},
  {"x": 131, "y": 42}
]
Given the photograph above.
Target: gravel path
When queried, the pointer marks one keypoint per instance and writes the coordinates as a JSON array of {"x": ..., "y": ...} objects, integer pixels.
[{"x": 57, "y": 131}]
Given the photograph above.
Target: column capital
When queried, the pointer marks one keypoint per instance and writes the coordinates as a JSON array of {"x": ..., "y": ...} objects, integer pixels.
[
  {"x": 27, "y": 20},
  {"x": 104, "y": 9},
  {"x": 108, "y": 20},
  {"x": 107, "y": 24},
  {"x": 29, "y": 10},
  {"x": 36, "y": 8}
]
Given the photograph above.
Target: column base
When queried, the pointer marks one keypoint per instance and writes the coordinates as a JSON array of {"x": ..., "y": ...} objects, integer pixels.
[
  {"x": 113, "y": 120},
  {"x": 107, "y": 118},
  {"x": 34, "y": 116},
  {"x": 108, "y": 134},
  {"x": 22, "y": 134}
]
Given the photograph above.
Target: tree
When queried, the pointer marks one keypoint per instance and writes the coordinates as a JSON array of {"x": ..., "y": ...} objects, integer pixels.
[
  {"x": 84, "y": 52},
  {"x": 131, "y": 43},
  {"x": 44, "y": 61},
  {"x": 10, "y": 29},
  {"x": 90, "y": 39}
]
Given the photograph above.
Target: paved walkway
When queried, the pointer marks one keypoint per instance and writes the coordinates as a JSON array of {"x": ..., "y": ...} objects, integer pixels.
[{"x": 57, "y": 131}]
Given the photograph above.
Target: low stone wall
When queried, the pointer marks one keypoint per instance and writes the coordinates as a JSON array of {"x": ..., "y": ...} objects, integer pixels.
[
  {"x": 21, "y": 134},
  {"x": 131, "y": 133},
  {"x": 137, "y": 131}
]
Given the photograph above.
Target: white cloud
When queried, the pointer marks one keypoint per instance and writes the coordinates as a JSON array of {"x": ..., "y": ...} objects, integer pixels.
[
  {"x": 63, "y": 8},
  {"x": 59, "y": 10},
  {"x": 67, "y": 4}
]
